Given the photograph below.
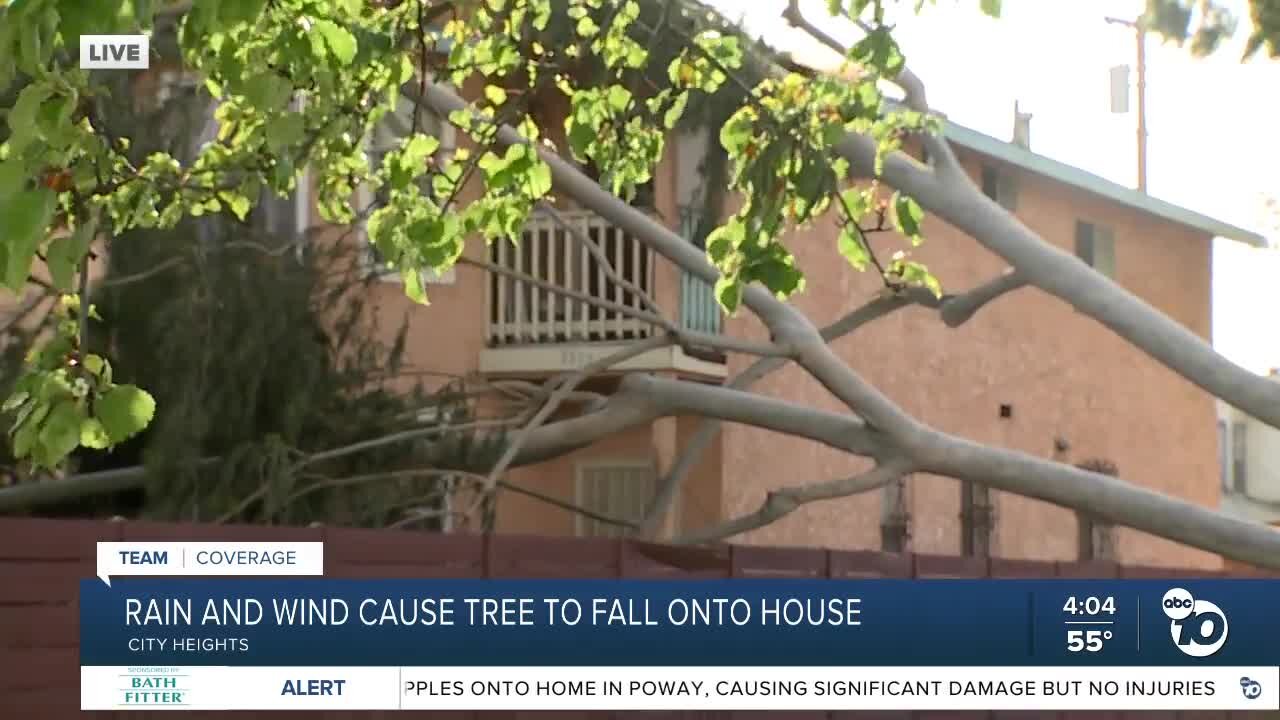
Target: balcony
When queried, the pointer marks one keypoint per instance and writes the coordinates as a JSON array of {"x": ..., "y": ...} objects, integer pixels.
[{"x": 560, "y": 308}]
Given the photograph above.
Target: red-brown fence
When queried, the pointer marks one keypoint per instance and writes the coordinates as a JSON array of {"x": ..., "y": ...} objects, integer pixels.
[{"x": 43, "y": 561}]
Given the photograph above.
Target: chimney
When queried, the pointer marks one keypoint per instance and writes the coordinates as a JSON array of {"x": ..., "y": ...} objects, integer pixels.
[{"x": 1021, "y": 127}]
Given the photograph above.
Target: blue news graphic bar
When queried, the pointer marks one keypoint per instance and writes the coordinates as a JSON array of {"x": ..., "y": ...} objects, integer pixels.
[{"x": 318, "y": 622}]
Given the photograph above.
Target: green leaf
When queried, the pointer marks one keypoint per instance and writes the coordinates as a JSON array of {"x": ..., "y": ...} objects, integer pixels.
[
  {"x": 991, "y": 7},
  {"x": 413, "y": 287},
  {"x": 781, "y": 278},
  {"x": 419, "y": 149},
  {"x": 268, "y": 91},
  {"x": 676, "y": 110},
  {"x": 539, "y": 179},
  {"x": 22, "y": 116},
  {"x": 619, "y": 97},
  {"x": 93, "y": 435},
  {"x": 232, "y": 12},
  {"x": 124, "y": 411},
  {"x": 587, "y": 27},
  {"x": 340, "y": 41},
  {"x": 65, "y": 254},
  {"x": 15, "y": 400},
  {"x": 13, "y": 177},
  {"x": 880, "y": 51},
  {"x": 284, "y": 131},
  {"x": 95, "y": 364},
  {"x": 239, "y": 205},
  {"x": 23, "y": 221},
  {"x": 541, "y": 14},
  {"x": 908, "y": 214},
  {"x": 729, "y": 293},
  {"x": 85, "y": 17},
  {"x": 495, "y": 94},
  {"x": 28, "y": 432},
  {"x": 59, "y": 435}
]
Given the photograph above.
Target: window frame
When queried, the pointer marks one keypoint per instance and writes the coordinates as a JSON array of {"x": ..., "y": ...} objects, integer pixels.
[
  {"x": 977, "y": 520},
  {"x": 1224, "y": 456},
  {"x": 1240, "y": 457},
  {"x": 581, "y": 472},
  {"x": 1095, "y": 246}
]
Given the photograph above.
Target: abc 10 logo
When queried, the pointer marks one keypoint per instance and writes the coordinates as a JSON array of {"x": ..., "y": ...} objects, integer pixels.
[{"x": 1198, "y": 627}]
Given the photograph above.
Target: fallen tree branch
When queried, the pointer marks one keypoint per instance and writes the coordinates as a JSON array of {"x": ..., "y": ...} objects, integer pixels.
[
  {"x": 563, "y": 386},
  {"x": 956, "y": 310},
  {"x": 780, "y": 503},
  {"x": 669, "y": 485}
]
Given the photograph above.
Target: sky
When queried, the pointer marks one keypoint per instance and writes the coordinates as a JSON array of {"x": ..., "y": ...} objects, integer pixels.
[{"x": 1211, "y": 146}]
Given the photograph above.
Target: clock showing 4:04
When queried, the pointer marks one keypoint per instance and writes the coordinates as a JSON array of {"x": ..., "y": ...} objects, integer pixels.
[{"x": 1090, "y": 606}]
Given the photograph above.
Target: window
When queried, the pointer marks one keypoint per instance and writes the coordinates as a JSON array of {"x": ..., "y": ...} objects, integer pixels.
[
  {"x": 1239, "y": 456},
  {"x": 387, "y": 136},
  {"x": 895, "y": 517},
  {"x": 1096, "y": 540},
  {"x": 1096, "y": 246},
  {"x": 977, "y": 519},
  {"x": 1000, "y": 187},
  {"x": 619, "y": 491}
]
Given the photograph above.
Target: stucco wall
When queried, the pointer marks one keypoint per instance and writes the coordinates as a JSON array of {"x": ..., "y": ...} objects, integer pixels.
[{"x": 1064, "y": 376}]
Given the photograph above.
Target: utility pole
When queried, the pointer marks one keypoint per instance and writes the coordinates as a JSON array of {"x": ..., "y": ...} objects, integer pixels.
[{"x": 1140, "y": 31}]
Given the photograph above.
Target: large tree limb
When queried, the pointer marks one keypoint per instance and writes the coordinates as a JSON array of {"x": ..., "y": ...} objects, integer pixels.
[
  {"x": 956, "y": 310},
  {"x": 1103, "y": 497},
  {"x": 780, "y": 503},
  {"x": 563, "y": 386},
  {"x": 707, "y": 430}
]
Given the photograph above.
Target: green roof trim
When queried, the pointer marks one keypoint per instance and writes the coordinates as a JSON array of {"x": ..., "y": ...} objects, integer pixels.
[{"x": 1075, "y": 177}]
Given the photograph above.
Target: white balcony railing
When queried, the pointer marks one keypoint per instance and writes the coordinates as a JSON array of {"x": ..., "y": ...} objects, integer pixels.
[{"x": 522, "y": 312}]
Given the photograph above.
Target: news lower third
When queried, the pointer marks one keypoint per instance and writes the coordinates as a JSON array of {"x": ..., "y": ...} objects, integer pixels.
[{"x": 244, "y": 626}]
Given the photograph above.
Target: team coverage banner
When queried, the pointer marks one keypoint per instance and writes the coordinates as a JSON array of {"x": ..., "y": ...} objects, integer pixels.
[{"x": 312, "y": 644}]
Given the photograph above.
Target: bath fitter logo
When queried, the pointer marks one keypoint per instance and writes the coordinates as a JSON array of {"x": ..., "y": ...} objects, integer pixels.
[
  {"x": 155, "y": 687},
  {"x": 115, "y": 52}
]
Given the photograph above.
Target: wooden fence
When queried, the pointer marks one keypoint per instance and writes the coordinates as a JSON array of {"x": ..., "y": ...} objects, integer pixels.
[{"x": 43, "y": 561}]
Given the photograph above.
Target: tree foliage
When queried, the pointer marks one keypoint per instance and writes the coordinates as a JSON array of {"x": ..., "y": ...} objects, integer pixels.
[
  {"x": 259, "y": 352},
  {"x": 300, "y": 82},
  {"x": 1206, "y": 24}
]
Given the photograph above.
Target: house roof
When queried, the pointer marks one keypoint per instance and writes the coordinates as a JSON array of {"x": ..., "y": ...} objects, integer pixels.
[{"x": 1069, "y": 175}]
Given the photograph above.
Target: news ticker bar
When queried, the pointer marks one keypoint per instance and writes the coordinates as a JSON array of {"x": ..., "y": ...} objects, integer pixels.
[{"x": 680, "y": 688}]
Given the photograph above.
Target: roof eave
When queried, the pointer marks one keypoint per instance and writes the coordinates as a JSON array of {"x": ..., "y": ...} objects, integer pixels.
[{"x": 1075, "y": 177}]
